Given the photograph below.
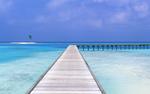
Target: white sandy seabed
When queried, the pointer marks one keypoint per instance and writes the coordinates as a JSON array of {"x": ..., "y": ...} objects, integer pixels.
[
  {"x": 121, "y": 72},
  {"x": 18, "y": 76}
]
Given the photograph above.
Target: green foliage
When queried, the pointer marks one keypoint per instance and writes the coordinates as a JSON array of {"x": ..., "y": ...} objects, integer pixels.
[{"x": 30, "y": 37}]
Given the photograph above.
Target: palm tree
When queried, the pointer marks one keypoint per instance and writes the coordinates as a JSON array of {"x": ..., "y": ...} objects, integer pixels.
[{"x": 30, "y": 37}]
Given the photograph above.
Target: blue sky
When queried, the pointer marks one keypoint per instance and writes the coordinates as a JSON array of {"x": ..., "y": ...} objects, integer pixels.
[{"x": 75, "y": 20}]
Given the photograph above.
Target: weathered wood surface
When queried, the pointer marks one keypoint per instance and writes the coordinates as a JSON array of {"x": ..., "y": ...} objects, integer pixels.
[{"x": 69, "y": 75}]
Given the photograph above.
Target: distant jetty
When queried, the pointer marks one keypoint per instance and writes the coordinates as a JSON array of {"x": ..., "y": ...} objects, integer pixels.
[{"x": 113, "y": 46}]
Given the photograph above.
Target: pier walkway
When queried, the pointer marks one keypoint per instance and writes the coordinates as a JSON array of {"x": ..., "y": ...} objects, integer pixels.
[{"x": 69, "y": 75}]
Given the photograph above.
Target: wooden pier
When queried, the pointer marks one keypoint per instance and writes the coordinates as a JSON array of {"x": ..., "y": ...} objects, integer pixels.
[
  {"x": 70, "y": 74},
  {"x": 113, "y": 46}
]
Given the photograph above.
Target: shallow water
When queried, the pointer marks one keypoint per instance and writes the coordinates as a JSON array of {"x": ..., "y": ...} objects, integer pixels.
[
  {"x": 121, "y": 72},
  {"x": 22, "y": 65}
]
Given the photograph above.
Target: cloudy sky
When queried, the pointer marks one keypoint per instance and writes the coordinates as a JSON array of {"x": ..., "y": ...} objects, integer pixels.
[{"x": 75, "y": 20}]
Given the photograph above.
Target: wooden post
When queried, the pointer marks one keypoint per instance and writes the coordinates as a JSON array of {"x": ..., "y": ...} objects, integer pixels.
[
  {"x": 78, "y": 46},
  {"x": 102, "y": 47},
  {"x": 83, "y": 47},
  {"x": 128, "y": 47},
  {"x": 93, "y": 46},
  {"x": 132, "y": 47},
  {"x": 120, "y": 47},
  {"x": 140, "y": 46},
  {"x": 88, "y": 47},
  {"x": 107, "y": 47},
  {"x": 135, "y": 46},
  {"x": 144, "y": 46},
  {"x": 112, "y": 47},
  {"x": 98, "y": 47},
  {"x": 116, "y": 47}
]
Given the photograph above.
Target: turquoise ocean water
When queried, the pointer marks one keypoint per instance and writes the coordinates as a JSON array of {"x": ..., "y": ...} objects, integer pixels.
[
  {"x": 22, "y": 65},
  {"x": 121, "y": 72}
]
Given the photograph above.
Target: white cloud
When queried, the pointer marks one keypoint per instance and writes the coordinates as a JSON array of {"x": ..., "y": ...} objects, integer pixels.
[
  {"x": 90, "y": 23},
  {"x": 113, "y": 2},
  {"x": 142, "y": 9},
  {"x": 98, "y": 1},
  {"x": 41, "y": 19},
  {"x": 95, "y": 23},
  {"x": 5, "y": 5},
  {"x": 65, "y": 16},
  {"x": 120, "y": 17},
  {"x": 83, "y": 12},
  {"x": 52, "y": 4}
]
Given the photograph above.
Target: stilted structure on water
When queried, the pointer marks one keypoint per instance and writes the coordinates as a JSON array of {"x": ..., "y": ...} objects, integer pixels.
[{"x": 113, "y": 46}]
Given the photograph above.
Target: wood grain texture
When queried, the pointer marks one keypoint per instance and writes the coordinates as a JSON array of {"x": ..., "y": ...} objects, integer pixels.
[{"x": 69, "y": 75}]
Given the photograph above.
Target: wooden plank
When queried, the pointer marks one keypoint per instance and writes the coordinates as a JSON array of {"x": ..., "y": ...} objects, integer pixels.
[{"x": 69, "y": 75}]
